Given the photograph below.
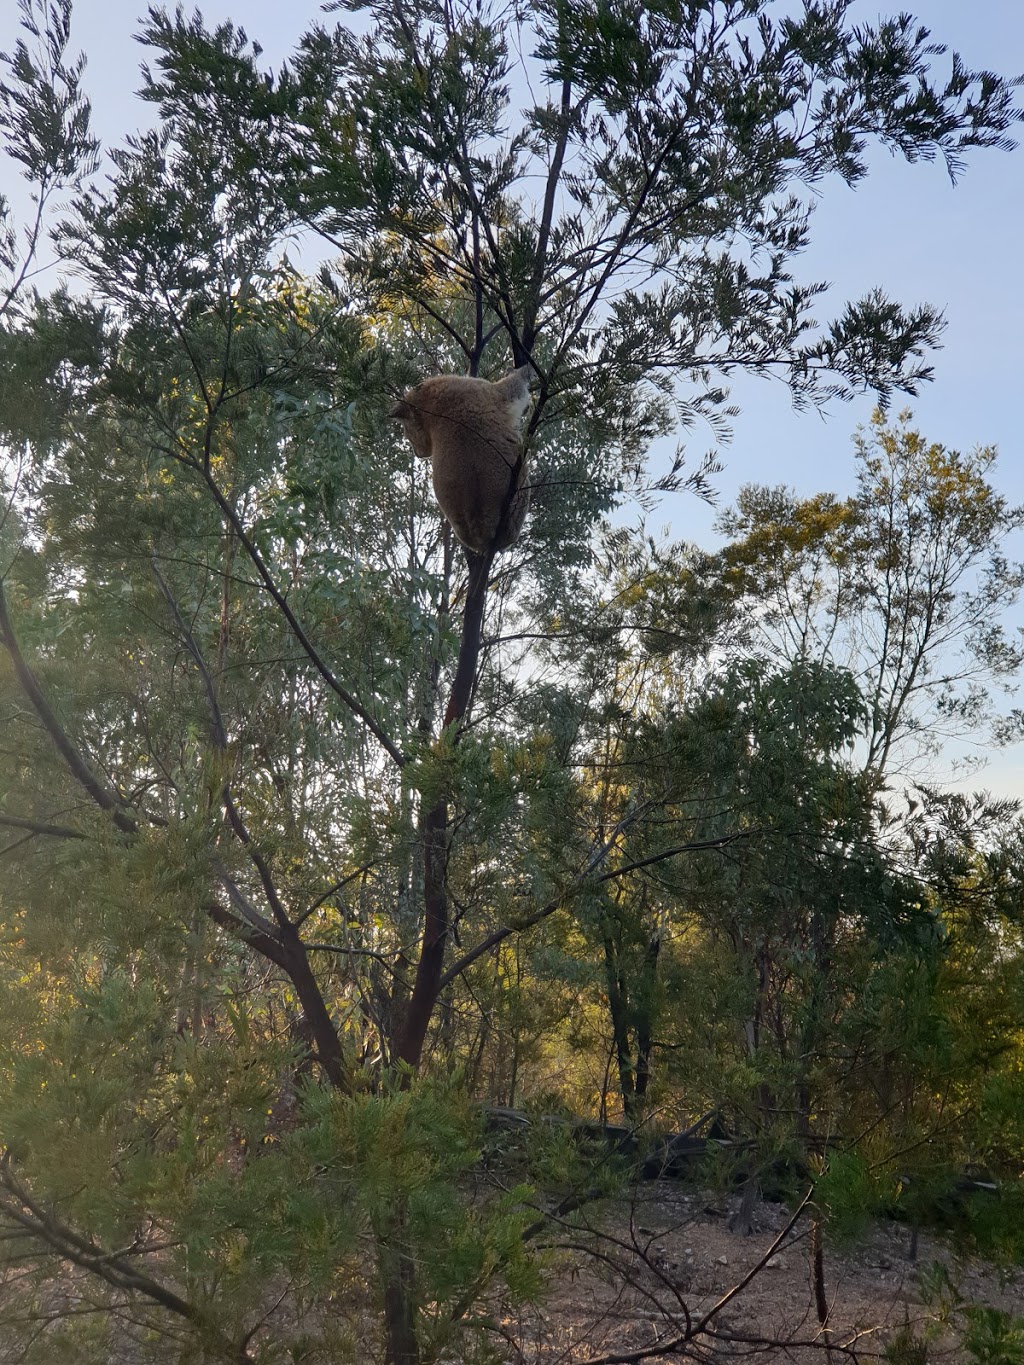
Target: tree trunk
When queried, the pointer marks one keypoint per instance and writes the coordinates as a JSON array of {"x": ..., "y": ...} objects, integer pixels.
[
  {"x": 817, "y": 1250},
  {"x": 434, "y": 838},
  {"x": 321, "y": 1026},
  {"x": 399, "y": 1274},
  {"x": 398, "y": 1268},
  {"x": 645, "y": 1018},
  {"x": 434, "y": 834},
  {"x": 618, "y": 1013}
]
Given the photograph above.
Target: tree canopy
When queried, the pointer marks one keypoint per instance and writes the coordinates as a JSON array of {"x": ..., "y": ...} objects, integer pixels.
[{"x": 321, "y": 836}]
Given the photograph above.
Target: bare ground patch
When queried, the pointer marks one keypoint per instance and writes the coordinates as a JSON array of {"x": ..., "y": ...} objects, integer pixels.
[{"x": 652, "y": 1278}]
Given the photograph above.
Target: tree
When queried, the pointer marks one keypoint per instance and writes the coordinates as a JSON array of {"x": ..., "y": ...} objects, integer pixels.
[
  {"x": 785, "y": 882},
  {"x": 906, "y": 583},
  {"x": 260, "y": 781},
  {"x": 44, "y": 124}
]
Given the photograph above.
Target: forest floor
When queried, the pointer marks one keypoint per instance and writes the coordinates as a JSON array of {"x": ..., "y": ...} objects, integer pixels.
[{"x": 669, "y": 1253}]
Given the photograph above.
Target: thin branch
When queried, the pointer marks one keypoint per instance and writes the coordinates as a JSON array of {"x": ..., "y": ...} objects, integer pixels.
[
  {"x": 738, "y": 1288},
  {"x": 70, "y": 1245},
  {"x": 241, "y": 902},
  {"x": 333, "y": 890},
  {"x": 41, "y": 827},
  {"x": 220, "y": 740},
  {"x": 670, "y": 1345},
  {"x": 16, "y": 844},
  {"x": 220, "y": 737},
  {"x": 342, "y": 951},
  {"x": 110, "y": 801},
  {"x": 356, "y": 707},
  {"x": 261, "y": 941},
  {"x": 696, "y": 847},
  {"x": 528, "y": 921},
  {"x": 547, "y": 217}
]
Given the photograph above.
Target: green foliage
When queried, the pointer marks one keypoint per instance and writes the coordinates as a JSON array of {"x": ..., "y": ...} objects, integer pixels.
[
  {"x": 399, "y": 1162},
  {"x": 889, "y": 582},
  {"x": 44, "y": 131},
  {"x": 994, "y": 1223},
  {"x": 988, "y": 1336},
  {"x": 667, "y": 131},
  {"x": 907, "y": 1348},
  {"x": 847, "y": 1190},
  {"x": 246, "y": 840},
  {"x": 993, "y": 1337}
]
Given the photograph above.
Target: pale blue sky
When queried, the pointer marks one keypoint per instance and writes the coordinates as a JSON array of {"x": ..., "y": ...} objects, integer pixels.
[{"x": 905, "y": 229}]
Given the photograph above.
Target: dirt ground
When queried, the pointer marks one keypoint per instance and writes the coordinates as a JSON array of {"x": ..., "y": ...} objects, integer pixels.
[{"x": 667, "y": 1259}]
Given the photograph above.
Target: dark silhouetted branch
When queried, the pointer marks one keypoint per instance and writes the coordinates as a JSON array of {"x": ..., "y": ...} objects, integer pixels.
[{"x": 107, "y": 800}]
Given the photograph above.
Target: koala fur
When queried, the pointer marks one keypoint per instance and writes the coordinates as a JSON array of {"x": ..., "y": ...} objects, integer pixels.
[{"x": 469, "y": 430}]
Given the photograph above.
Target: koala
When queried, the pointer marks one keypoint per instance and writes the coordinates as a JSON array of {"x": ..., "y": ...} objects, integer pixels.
[{"x": 469, "y": 430}]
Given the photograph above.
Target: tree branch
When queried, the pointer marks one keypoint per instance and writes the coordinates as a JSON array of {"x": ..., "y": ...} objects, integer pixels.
[
  {"x": 41, "y": 827},
  {"x": 70, "y": 1245},
  {"x": 528, "y": 921},
  {"x": 356, "y": 707},
  {"x": 696, "y": 847},
  {"x": 220, "y": 740},
  {"x": 112, "y": 802}
]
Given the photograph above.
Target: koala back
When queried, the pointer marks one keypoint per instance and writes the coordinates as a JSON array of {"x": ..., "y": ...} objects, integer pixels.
[{"x": 469, "y": 430}]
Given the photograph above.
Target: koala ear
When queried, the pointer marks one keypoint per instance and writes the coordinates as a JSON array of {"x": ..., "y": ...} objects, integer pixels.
[
  {"x": 515, "y": 385},
  {"x": 401, "y": 409}
]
